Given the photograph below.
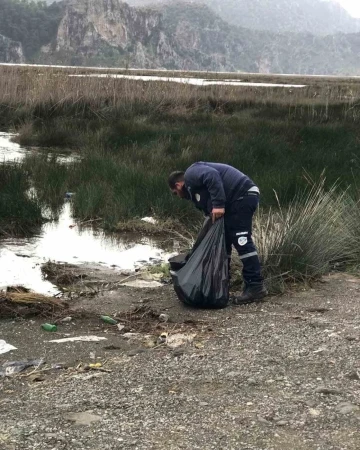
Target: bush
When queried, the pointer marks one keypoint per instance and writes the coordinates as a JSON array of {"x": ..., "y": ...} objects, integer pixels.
[{"x": 304, "y": 240}]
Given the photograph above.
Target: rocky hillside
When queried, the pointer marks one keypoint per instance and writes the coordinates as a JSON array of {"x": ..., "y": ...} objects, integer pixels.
[
  {"x": 319, "y": 17},
  {"x": 185, "y": 36},
  {"x": 10, "y": 51}
]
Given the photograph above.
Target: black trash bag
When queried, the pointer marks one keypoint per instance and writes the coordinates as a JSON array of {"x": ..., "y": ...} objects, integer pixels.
[
  {"x": 203, "y": 281},
  {"x": 178, "y": 262}
]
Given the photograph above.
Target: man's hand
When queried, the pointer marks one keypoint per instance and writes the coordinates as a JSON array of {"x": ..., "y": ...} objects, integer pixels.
[{"x": 217, "y": 213}]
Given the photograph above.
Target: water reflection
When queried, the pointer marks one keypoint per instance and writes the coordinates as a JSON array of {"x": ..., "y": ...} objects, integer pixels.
[{"x": 62, "y": 240}]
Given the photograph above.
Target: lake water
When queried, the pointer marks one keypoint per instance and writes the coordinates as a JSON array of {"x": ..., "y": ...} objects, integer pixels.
[
  {"x": 189, "y": 80},
  {"x": 64, "y": 241}
]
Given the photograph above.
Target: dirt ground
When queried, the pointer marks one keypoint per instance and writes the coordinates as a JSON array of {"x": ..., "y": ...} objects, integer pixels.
[{"x": 284, "y": 374}]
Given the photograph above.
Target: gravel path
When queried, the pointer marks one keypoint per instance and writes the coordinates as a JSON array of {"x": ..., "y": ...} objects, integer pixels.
[{"x": 281, "y": 375}]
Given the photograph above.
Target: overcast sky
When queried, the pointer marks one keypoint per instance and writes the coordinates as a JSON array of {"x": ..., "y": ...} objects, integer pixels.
[{"x": 353, "y": 6}]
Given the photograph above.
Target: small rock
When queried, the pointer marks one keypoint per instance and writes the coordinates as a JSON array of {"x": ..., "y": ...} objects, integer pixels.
[
  {"x": 178, "y": 352},
  {"x": 327, "y": 391},
  {"x": 263, "y": 420},
  {"x": 354, "y": 375},
  {"x": 269, "y": 416},
  {"x": 66, "y": 319},
  {"x": 252, "y": 382},
  {"x": 233, "y": 374},
  {"x": 135, "y": 351},
  {"x": 314, "y": 412},
  {"x": 347, "y": 408},
  {"x": 131, "y": 335},
  {"x": 351, "y": 338},
  {"x": 204, "y": 404},
  {"x": 36, "y": 377},
  {"x": 281, "y": 423},
  {"x": 164, "y": 317},
  {"x": 318, "y": 310},
  {"x": 112, "y": 347},
  {"x": 82, "y": 418}
]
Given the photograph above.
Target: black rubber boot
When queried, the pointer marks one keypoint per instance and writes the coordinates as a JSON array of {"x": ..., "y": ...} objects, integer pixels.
[{"x": 254, "y": 292}]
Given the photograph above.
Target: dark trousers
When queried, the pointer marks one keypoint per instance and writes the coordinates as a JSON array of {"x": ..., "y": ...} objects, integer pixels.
[{"x": 238, "y": 233}]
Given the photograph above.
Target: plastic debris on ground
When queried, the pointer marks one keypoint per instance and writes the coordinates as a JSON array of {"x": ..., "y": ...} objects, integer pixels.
[
  {"x": 179, "y": 339},
  {"x": 149, "y": 220},
  {"x": 109, "y": 320},
  {"x": 5, "y": 347},
  {"x": 49, "y": 327},
  {"x": 143, "y": 284},
  {"x": 79, "y": 339},
  {"x": 13, "y": 367}
]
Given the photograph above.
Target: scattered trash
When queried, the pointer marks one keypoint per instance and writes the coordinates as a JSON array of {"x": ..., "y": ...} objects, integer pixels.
[
  {"x": 69, "y": 195},
  {"x": 120, "y": 326},
  {"x": 66, "y": 319},
  {"x": 95, "y": 366},
  {"x": 36, "y": 377},
  {"x": 142, "y": 284},
  {"x": 5, "y": 347},
  {"x": 179, "y": 339},
  {"x": 150, "y": 342},
  {"x": 108, "y": 320},
  {"x": 198, "y": 345},
  {"x": 13, "y": 367},
  {"x": 164, "y": 317},
  {"x": 149, "y": 220},
  {"x": 162, "y": 338},
  {"x": 131, "y": 335},
  {"x": 49, "y": 327},
  {"x": 80, "y": 339},
  {"x": 58, "y": 366},
  {"x": 92, "y": 355}
]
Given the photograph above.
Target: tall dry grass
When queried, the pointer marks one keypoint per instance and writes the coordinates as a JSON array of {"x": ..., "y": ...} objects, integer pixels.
[
  {"x": 37, "y": 92},
  {"x": 317, "y": 232}
]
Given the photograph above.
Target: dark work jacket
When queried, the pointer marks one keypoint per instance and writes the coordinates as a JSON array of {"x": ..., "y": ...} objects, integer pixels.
[{"x": 214, "y": 185}]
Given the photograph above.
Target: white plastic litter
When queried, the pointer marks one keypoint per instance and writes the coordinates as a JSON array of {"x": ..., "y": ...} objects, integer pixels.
[
  {"x": 149, "y": 220},
  {"x": 179, "y": 339},
  {"x": 80, "y": 339},
  {"x": 5, "y": 347}
]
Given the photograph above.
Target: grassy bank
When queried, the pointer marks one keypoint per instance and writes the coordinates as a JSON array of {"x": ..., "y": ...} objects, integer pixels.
[
  {"x": 131, "y": 134},
  {"x": 20, "y": 214}
]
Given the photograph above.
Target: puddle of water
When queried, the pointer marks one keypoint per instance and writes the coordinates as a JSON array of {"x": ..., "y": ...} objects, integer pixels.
[
  {"x": 20, "y": 259},
  {"x": 11, "y": 151},
  {"x": 193, "y": 81}
]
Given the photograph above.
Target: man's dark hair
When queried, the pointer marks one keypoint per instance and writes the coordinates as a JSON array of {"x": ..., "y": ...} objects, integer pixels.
[{"x": 175, "y": 177}]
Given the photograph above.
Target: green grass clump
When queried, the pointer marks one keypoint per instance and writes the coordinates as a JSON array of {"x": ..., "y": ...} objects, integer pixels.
[
  {"x": 303, "y": 241},
  {"x": 20, "y": 213}
]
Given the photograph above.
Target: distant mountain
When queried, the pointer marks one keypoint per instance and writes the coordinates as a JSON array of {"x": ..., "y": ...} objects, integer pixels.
[
  {"x": 10, "y": 51},
  {"x": 320, "y": 17},
  {"x": 186, "y": 36}
]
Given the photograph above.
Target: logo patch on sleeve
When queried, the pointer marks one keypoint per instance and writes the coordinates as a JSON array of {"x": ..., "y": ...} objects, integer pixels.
[
  {"x": 197, "y": 196},
  {"x": 242, "y": 240}
]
